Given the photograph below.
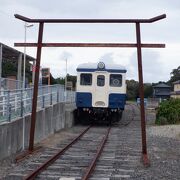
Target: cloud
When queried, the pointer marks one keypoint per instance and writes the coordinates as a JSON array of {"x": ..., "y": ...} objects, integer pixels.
[
  {"x": 107, "y": 58},
  {"x": 65, "y": 55},
  {"x": 153, "y": 68}
]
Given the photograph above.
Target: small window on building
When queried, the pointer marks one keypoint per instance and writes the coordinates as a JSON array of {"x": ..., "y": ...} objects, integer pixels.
[
  {"x": 100, "y": 80},
  {"x": 115, "y": 80},
  {"x": 86, "y": 79}
]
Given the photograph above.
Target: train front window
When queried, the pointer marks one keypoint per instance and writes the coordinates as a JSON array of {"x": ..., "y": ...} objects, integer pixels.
[
  {"x": 86, "y": 79},
  {"x": 115, "y": 80},
  {"x": 100, "y": 80}
]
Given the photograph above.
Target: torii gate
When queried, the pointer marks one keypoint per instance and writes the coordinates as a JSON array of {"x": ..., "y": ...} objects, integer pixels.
[{"x": 138, "y": 45}]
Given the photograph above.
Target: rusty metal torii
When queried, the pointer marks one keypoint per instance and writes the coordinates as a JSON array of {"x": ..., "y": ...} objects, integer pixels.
[{"x": 138, "y": 45}]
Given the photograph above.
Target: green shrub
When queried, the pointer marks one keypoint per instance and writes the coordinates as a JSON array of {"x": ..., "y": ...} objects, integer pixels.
[
  {"x": 161, "y": 121},
  {"x": 168, "y": 112}
]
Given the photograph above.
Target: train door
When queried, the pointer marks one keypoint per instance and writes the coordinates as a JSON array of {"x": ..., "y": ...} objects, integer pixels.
[{"x": 100, "y": 97}]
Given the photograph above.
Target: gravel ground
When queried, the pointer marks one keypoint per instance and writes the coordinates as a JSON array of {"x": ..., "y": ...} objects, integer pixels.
[
  {"x": 163, "y": 145},
  {"x": 164, "y": 155},
  {"x": 169, "y": 131}
]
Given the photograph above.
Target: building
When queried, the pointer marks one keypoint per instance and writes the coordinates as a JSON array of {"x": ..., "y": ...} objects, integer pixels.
[
  {"x": 161, "y": 91},
  {"x": 176, "y": 92},
  {"x": 11, "y": 64}
]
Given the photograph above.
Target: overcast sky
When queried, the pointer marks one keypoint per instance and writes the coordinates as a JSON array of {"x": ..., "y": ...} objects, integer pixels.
[{"x": 157, "y": 63}]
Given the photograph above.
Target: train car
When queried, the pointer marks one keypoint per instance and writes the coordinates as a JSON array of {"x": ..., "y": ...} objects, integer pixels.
[{"x": 100, "y": 91}]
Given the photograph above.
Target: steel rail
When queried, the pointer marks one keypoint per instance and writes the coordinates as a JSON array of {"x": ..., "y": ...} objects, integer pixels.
[
  {"x": 151, "y": 20},
  {"x": 112, "y": 45},
  {"x": 55, "y": 157},
  {"x": 99, "y": 151}
]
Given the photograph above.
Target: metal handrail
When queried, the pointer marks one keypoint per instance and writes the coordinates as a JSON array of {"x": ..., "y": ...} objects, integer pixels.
[{"x": 18, "y": 102}]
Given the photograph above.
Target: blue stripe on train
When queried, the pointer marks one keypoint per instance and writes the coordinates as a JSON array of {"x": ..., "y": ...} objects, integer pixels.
[
  {"x": 117, "y": 100},
  {"x": 83, "y": 99}
]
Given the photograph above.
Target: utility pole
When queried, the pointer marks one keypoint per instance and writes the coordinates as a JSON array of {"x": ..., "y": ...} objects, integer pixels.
[
  {"x": 66, "y": 82},
  {"x": 24, "y": 69},
  {"x": 0, "y": 64}
]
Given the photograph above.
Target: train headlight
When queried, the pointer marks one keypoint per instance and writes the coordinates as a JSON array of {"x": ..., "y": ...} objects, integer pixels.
[
  {"x": 100, "y": 103},
  {"x": 101, "y": 65}
]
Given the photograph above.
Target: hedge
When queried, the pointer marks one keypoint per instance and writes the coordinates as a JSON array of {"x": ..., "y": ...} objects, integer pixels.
[{"x": 168, "y": 112}]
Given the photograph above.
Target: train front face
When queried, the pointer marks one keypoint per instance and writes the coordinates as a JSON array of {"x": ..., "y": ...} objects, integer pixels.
[{"x": 101, "y": 90}]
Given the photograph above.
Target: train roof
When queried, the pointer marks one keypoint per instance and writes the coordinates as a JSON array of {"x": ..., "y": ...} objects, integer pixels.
[{"x": 91, "y": 67}]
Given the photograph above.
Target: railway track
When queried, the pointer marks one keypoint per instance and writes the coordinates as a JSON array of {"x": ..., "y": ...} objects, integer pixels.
[
  {"x": 97, "y": 152},
  {"x": 129, "y": 117},
  {"x": 87, "y": 171},
  {"x": 90, "y": 146}
]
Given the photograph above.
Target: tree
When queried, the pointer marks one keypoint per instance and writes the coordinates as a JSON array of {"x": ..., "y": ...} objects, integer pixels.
[
  {"x": 132, "y": 89},
  {"x": 10, "y": 68},
  {"x": 148, "y": 90},
  {"x": 60, "y": 80},
  {"x": 175, "y": 75},
  {"x": 73, "y": 79}
]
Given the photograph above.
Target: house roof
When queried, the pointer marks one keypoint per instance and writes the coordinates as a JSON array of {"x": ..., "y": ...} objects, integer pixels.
[
  {"x": 161, "y": 85},
  {"x": 13, "y": 54}
]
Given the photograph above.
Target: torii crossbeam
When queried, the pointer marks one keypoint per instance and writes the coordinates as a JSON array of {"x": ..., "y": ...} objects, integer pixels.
[{"x": 137, "y": 45}]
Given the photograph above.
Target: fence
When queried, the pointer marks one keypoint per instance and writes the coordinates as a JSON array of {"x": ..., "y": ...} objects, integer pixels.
[
  {"x": 150, "y": 102},
  {"x": 153, "y": 102},
  {"x": 18, "y": 102}
]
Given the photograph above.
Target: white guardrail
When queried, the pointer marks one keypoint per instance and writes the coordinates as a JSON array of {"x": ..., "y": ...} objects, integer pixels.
[{"x": 18, "y": 102}]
